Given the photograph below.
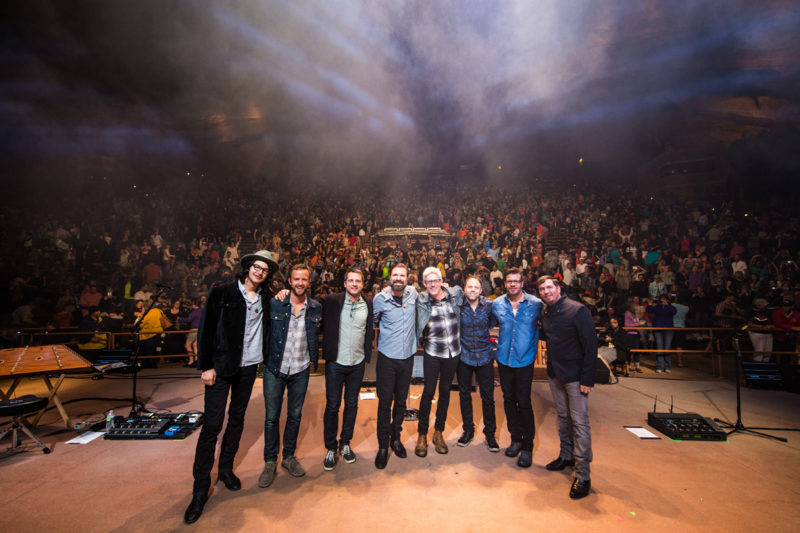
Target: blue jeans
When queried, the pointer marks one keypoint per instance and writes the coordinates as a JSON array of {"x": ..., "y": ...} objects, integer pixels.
[
  {"x": 574, "y": 431},
  {"x": 663, "y": 342},
  {"x": 274, "y": 386},
  {"x": 338, "y": 377}
]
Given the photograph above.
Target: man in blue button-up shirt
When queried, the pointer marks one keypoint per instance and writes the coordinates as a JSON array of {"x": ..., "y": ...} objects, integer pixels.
[
  {"x": 517, "y": 313},
  {"x": 477, "y": 357},
  {"x": 394, "y": 311}
]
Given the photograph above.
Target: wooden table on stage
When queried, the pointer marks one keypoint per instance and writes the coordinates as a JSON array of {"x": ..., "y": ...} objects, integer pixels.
[{"x": 42, "y": 361}]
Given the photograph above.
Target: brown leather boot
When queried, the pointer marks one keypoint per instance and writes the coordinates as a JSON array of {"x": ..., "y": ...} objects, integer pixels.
[
  {"x": 439, "y": 443},
  {"x": 422, "y": 446}
]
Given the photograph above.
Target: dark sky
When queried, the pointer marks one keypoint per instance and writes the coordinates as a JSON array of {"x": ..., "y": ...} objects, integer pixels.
[{"x": 338, "y": 90}]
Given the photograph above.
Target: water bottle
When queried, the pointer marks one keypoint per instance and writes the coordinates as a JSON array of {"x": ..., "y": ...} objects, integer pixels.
[{"x": 110, "y": 421}]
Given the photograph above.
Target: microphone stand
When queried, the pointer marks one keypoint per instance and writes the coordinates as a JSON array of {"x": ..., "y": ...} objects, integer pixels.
[
  {"x": 739, "y": 425},
  {"x": 136, "y": 405}
]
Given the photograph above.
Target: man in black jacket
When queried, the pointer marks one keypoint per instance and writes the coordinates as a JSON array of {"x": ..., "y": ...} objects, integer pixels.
[
  {"x": 571, "y": 361},
  {"x": 346, "y": 348},
  {"x": 231, "y": 341}
]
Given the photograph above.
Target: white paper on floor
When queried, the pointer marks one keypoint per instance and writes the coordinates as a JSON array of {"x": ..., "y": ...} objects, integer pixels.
[
  {"x": 88, "y": 436},
  {"x": 642, "y": 433}
]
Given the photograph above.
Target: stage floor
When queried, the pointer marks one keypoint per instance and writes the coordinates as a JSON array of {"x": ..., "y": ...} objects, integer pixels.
[{"x": 745, "y": 484}]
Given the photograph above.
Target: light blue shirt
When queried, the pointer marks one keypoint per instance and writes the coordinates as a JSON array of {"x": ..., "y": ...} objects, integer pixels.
[
  {"x": 397, "y": 322},
  {"x": 253, "y": 346},
  {"x": 352, "y": 328},
  {"x": 679, "y": 319},
  {"x": 518, "y": 340}
]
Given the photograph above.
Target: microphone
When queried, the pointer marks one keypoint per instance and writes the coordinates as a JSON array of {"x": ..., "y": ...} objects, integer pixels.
[{"x": 163, "y": 286}]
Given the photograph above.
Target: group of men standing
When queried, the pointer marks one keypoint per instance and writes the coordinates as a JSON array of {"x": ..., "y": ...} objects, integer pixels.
[{"x": 242, "y": 326}]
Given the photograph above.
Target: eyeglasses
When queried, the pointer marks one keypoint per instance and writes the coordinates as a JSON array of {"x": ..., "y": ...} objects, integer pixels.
[
  {"x": 258, "y": 268},
  {"x": 513, "y": 281},
  {"x": 432, "y": 281}
]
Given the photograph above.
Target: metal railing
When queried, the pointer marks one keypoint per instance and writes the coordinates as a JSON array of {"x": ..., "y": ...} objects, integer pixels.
[
  {"x": 114, "y": 340},
  {"x": 713, "y": 346},
  {"x": 711, "y": 337}
]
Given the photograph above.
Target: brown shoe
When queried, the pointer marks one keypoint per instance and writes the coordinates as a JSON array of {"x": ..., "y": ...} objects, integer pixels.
[
  {"x": 267, "y": 475},
  {"x": 293, "y": 466},
  {"x": 439, "y": 443},
  {"x": 422, "y": 446}
]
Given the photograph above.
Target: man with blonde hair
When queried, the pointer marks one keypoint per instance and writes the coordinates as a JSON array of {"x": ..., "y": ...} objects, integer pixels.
[{"x": 439, "y": 333}]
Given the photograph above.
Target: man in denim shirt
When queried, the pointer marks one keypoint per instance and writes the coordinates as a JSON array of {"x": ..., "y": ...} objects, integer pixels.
[
  {"x": 294, "y": 326},
  {"x": 394, "y": 312},
  {"x": 476, "y": 358},
  {"x": 517, "y": 313}
]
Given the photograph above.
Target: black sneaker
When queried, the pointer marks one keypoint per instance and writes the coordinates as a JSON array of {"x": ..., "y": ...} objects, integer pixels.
[
  {"x": 330, "y": 460},
  {"x": 491, "y": 442},
  {"x": 465, "y": 438},
  {"x": 347, "y": 454}
]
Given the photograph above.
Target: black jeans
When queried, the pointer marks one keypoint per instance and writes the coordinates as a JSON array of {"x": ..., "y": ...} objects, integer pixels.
[
  {"x": 216, "y": 396},
  {"x": 516, "y": 385},
  {"x": 633, "y": 344},
  {"x": 485, "y": 378},
  {"x": 443, "y": 370},
  {"x": 392, "y": 377},
  {"x": 337, "y": 377}
]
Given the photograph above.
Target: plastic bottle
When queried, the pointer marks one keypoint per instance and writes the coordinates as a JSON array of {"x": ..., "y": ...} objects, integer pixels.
[{"x": 110, "y": 421}]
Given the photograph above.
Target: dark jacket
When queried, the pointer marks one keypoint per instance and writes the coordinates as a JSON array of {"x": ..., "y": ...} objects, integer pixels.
[
  {"x": 331, "y": 312},
  {"x": 279, "y": 313},
  {"x": 571, "y": 339},
  {"x": 662, "y": 315},
  {"x": 619, "y": 338},
  {"x": 220, "y": 336}
]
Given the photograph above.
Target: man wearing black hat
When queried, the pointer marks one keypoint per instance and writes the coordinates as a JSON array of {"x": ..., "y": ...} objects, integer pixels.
[{"x": 231, "y": 341}]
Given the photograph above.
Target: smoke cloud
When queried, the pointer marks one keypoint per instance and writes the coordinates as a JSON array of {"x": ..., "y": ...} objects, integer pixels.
[{"x": 341, "y": 91}]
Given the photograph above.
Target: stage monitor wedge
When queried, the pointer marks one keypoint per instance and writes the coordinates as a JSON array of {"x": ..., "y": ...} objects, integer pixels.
[{"x": 686, "y": 426}]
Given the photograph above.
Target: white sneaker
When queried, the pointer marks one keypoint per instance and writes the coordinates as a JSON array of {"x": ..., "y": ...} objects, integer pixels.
[
  {"x": 330, "y": 460},
  {"x": 347, "y": 454}
]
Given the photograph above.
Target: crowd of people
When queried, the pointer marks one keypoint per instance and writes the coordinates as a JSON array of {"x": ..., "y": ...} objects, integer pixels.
[
  {"x": 520, "y": 259},
  {"x": 625, "y": 256}
]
